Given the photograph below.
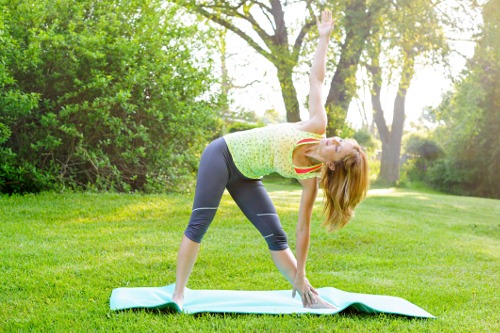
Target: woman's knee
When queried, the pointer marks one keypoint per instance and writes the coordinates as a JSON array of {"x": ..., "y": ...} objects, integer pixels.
[
  {"x": 277, "y": 241},
  {"x": 201, "y": 218}
]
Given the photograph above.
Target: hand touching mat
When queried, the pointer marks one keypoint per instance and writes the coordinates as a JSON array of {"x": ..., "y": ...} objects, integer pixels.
[{"x": 263, "y": 302}]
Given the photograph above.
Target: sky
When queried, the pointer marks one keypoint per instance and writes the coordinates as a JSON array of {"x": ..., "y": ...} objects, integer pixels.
[{"x": 252, "y": 71}]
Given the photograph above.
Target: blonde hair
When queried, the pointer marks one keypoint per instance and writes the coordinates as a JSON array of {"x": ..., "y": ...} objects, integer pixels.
[{"x": 344, "y": 188}]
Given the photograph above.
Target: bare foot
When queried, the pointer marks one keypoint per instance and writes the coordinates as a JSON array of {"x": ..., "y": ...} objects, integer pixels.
[
  {"x": 178, "y": 299},
  {"x": 321, "y": 304}
]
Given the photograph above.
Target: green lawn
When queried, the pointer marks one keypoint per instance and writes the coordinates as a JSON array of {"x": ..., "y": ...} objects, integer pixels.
[{"x": 62, "y": 254}]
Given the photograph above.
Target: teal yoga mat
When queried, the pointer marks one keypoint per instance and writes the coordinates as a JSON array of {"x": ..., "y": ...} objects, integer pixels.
[{"x": 262, "y": 302}]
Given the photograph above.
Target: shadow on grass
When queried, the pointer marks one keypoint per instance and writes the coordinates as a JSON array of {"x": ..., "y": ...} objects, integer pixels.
[{"x": 349, "y": 313}]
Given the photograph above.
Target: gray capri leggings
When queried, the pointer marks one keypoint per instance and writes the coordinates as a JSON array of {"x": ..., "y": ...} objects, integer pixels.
[{"x": 218, "y": 171}]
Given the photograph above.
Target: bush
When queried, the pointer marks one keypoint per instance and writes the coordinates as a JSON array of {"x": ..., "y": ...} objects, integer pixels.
[
  {"x": 97, "y": 95},
  {"x": 366, "y": 140},
  {"x": 420, "y": 155},
  {"x": 242, "y": 126}
]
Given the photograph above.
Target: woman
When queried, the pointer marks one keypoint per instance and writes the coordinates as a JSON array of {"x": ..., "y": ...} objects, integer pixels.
[{"x": 296, "y": 150}]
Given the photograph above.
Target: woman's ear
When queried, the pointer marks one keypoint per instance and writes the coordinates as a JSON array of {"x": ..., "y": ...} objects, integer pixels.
[{"x": 330, "y": 165}]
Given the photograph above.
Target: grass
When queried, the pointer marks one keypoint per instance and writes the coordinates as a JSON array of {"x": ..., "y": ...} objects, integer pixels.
[{"x": 62, "y": 254}]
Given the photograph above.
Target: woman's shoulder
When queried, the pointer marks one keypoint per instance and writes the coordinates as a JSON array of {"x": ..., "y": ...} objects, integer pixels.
[{"x": 310, "y": 127}]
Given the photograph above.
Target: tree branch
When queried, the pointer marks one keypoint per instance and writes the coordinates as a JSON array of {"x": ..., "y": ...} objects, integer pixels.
[
  {"x": 262, "y": 5},
  {"x": 280, "y": 34},
  {"x": 266, "y": 38},
  {"x": 300, "y": 39},
  {"x": 246, "y": 85},
  {"x": 228, "y": 25}
]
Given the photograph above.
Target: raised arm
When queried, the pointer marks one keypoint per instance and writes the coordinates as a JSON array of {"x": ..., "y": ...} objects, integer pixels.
[{"x": 317, "y": 114}]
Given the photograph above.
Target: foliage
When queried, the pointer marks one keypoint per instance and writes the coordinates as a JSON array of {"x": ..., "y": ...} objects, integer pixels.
[
  {"x": 420, "y": 154},
  {"x": 16, "y": 175},
  {"x": 355, "y": 21},
  {"x": 241, "y": 126},
  {"x": 263, "y": 27},
  {"x": 267, "y": 27},
  {"x": 423, "y": 148},
  {"x": 366, "y": 140},
  {"x": 406, "y": 33},
  {"x": 101, "y": 95},
  {"x": 469, "y": 120},
  {"x": 272, "y": 116},
  {"x": 61, "y": 255},
  {"x": 370, "y": 145}
]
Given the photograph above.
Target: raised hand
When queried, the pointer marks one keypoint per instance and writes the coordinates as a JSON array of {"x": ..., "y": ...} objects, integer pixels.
[{"x": 325, "y": 23}]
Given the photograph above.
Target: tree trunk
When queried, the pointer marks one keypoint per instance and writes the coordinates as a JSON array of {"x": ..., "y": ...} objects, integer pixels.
[
  {"x": 391, "y": 140},
  {"x": 389, "y": 167},
  {"x": 389, "y": 164},
  {"x": 289, "y": 94},
  {"x": 358, "y": 23}
]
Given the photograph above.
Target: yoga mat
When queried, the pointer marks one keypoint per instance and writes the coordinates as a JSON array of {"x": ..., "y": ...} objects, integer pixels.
[{"x": 258, "y": 302}]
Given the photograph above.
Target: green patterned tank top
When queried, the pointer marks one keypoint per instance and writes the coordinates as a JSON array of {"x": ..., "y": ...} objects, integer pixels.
[{"x": 261, "y": 151}]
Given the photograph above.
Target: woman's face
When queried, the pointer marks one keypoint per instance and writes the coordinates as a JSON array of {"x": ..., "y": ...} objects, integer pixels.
[{"x": 335, "y": 149}]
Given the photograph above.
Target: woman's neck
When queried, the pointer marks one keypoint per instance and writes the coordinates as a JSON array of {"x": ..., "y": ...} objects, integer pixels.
[{"x": 312, "y": 153}]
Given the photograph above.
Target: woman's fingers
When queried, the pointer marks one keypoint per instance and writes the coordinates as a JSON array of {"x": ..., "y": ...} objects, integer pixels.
[
  {"x": 326, "y": 16},
  {"x": 310, "y": 297},
  {"x": 306, "y": 300},
  {"x": 325, "y": 22}
]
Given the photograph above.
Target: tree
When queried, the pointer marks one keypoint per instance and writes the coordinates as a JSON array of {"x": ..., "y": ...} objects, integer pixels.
[
  {"x": 408, "y": 32},
  {"x": 263, "y": 26},
  {"x": 274, "y": 46},
  {"x": 469, "y": 119},
  {"x": 15, "y": 175},
  {"x": 117, "y": 98},
  {"x": 358, "y": 25}
]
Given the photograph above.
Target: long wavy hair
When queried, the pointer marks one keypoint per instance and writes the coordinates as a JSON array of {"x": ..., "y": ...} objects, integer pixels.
[{"x": 344, "y": 188}]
